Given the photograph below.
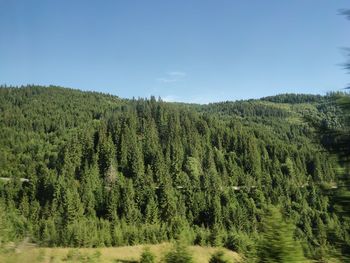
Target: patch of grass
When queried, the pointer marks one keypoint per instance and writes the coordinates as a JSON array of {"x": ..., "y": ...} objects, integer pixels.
[
  {"x": 126, "y": 254},
  {"x": 76, "y": 255},
  {"x": 41, "y": 255}
]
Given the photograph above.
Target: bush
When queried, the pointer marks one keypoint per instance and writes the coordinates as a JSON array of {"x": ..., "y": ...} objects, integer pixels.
[
  {"x": 147, "y": 256},
  {"x": 179, "y": 254},
  {"x": 278, "y": 244},
  {"x": 217, "y": 236},
  {"x": 202, "y": 236},
  {"x": 241, "y": 243},
  {"x": 218, "y": 257}
]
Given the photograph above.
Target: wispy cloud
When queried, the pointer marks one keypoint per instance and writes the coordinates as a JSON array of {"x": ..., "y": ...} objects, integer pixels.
[
  {"x": 178, "y": 74},
  {"x": 167, "y": 80},
  {"x": 172, "y": 76}
]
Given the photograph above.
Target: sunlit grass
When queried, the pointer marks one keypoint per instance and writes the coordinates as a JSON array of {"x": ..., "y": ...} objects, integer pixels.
[{"x": 127, "y": 254}]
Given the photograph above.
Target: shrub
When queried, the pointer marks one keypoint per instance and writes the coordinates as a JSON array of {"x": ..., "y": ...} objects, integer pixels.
[
  {"x": 218, "y": 257},
  {"x": 179, "y": 254},
  {"x": 202, "y": 236},
  {"x": 278, "y": 244},
  {"x": 241, "y": 243},
  {"x": 147, "y": 256}
]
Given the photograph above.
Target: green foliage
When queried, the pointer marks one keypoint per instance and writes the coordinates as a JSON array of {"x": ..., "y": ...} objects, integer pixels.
[
  {"x": 337, "y": 141},
  {"x": 147, "y": 256},
  {"x": 218, "y": 257},
  {"x": 294, "y": 98},
  {"x": 86, "y": 169},
  {"x": 179, "y": 254},
  {"x": 278, "y": 244},
  {"x": 242, "y": 243},
  {"x": 74, "y": 255}
]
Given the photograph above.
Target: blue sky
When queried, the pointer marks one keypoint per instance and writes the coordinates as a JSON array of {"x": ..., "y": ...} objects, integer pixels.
[{"x": 182, "y": 50}]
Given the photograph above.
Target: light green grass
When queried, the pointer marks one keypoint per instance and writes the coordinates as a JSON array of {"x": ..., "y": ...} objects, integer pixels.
[{"x": 127, "y": 254}]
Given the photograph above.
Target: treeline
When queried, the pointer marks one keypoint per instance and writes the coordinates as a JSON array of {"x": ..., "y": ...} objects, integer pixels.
[
  {"x": 104, "y": 171},
  {"x": 293, "y": 98},
  {"x": 246, "y": 109}
]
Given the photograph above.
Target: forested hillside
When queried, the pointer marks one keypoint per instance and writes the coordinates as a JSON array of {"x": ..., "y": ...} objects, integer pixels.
[{"x": 89, "y": 169}]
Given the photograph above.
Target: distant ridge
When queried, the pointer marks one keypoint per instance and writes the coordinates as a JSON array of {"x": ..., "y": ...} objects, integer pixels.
[{"x": 294, "y": 98}]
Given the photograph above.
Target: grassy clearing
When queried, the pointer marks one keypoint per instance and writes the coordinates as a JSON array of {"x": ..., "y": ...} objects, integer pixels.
[{"x": 127, "y": 254}]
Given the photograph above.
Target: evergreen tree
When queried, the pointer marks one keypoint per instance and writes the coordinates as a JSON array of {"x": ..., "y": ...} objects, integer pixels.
[
  {"x": 278, "y": 244},
  {"x": 90, "y": 169}
]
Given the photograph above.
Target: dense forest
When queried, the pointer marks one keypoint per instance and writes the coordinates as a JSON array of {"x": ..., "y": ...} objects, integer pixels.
[{"x": 87, "y": 169}]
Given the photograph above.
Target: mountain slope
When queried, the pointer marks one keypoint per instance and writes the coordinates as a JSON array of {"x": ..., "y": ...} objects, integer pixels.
[{"x": 109, "y": 171}]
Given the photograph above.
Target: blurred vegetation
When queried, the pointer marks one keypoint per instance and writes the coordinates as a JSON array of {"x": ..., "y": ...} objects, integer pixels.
[
  {"x": 277, "y": 241},
  {"x": 179, "y": 254},
  {"x": 147, "y": 256},
  {"x": 218, "y": 257}
]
